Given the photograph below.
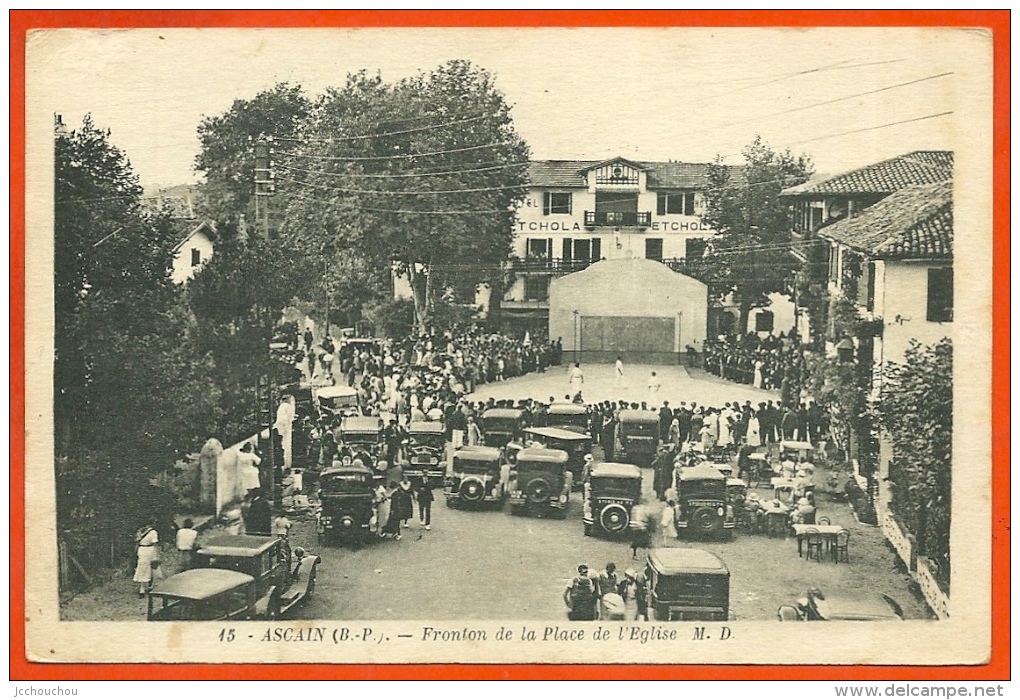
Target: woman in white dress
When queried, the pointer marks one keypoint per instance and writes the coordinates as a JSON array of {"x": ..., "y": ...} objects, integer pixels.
[
  {"x": 757, "y": 374},
  {"x": 753, "y": 430},
  {"x": 668, "y": 526},
  {"x": 147, "y": 540},
  {"x": 382, "y": 508},
  {"x": 576, "y": 380}
]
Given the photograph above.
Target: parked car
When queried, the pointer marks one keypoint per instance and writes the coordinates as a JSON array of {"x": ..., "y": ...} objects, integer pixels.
[
  {"x": 362, "y": 435},
  {"x": 610, "y": 496},
  {"x": 702, "y": 506},
  {"x": 425, "y": 450},
  {"x": 568, "y": 416},
  {"x": 639, "y": 436},
  {"x": 346, "y": 499},
  {"x": 502, "y": 425},
  {"x": 479, "y": 476},
  {"x": 576, "y": 445},
  {"x": 337, "y": 400},
  {"x": 687, "y": 584},
  {"x": 283, "y": 578},
  {"x": 867, "y": 607},
  {"x": 540, "y": 482},
  {"x": 203, "y": 594}
]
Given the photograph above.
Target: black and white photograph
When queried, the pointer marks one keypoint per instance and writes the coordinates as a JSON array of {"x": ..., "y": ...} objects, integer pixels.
[{"x": 590, "y": 345}]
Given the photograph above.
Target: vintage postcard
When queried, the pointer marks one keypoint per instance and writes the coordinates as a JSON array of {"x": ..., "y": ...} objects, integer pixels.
[{"x": 509, "y": 345}]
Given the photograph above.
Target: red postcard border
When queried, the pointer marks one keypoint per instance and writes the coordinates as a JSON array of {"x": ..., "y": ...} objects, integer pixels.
[{"x": 995, "y": 21}]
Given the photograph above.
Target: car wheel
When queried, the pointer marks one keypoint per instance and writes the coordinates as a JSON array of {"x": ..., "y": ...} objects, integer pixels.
[
  {"x": 614, "y": 518},
  {"x": 538, "y": 491},
  {"x": 472, "y": 491},
  {"x": 706, "y": 519}
]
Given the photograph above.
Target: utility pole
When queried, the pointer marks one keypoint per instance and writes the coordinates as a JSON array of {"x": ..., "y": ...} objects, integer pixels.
[{"x": 265, "y": 187}]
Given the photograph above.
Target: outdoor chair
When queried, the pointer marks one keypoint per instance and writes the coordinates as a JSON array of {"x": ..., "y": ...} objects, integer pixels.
[
  {"x": 815, "y": 543},
  {"x": 841, "y": 547},
  {"x": 824, "y": 520}
]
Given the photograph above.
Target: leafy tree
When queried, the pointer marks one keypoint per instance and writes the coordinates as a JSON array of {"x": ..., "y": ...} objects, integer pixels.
[
  {"x": 751, "y": 253},
  {"x": 422, "y": 175},
  {"x": 227, "y": 158},
  {"x": 916, "y": 410},
  {"x": 130, "y": 387}
]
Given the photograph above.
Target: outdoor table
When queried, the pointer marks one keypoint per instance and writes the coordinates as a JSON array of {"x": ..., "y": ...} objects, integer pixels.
[
  {"x": 780, "y": 484},
  {"x": 828, "y": 533}
]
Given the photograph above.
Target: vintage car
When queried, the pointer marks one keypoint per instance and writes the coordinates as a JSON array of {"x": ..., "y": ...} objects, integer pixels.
[
  {"x": 576, "y": 445},
  {"x": 639, "y": 436},
  {"x": 425, "y": 452},
  {"x": 502, "y": 425},
  {"x": 687, "y": 584},
  {"x": 702, "y": 506},
  {"x": 282, "y": 579},
  {"x": 568, "y": 416},
  {"x": 540, "y": 482},
  {"x": 340, "y": 401},
  {"x": 346, "y": 498},
  {"x": 362, "y": 436},
  {"x": 479, "y": 476},
  {"x": 203, "y": 594},
  {"x": 612, "y": 492},
  {"x": 816, "y": 606}
]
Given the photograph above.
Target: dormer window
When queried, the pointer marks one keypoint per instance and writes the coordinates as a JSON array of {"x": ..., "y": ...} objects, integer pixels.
[{"x": 617, "y": 174}]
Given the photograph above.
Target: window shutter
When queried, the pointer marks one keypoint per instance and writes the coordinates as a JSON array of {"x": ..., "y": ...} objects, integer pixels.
[
  {"x": 568, "y": 248},
  {"x": 546, "y": 202},
  {"x": 596, "y": 249},
  {"x": 570, "y": 203},
  {"x": 689, "y": 204},
  {"x": 549, "y": 248},
  {"x": 660, "y": 204}
]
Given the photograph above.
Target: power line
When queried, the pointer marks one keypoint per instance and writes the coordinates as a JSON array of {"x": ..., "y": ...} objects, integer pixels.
[
  {"x": 873, "y": 128},
  {"x": 338, "y": 139},
  {"x": 391, "y": 176},
  {"x": 410, "y": 192},
  {"x": 838, "y": 99},
  {"x": 380, "y": 210},
  {"x": 393, "y": 157}
]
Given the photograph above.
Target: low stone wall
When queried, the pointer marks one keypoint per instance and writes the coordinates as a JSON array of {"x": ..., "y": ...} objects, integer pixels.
[
  {"x": 937, "y": 600},
  {"x": 903, "y": 544}
]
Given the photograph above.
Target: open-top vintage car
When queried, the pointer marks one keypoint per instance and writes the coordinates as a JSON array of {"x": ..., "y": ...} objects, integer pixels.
[
  {"x": 687, "y": 584},
  {"x": 612, "y": 492},
  {"x": 502, "y": 425},
  {"x": 816, "y": 606},
  {"x": 346, "y": 498},
  {"x": 702, "y": 506},
  {"x": 540, "y": 482},
  {"x": 425, "y": 450},
  {"x": 283, "y": 578},
  {"x": 576, "y": 445},
  {"x": 203, "y": 594},
  {"x": 568, "y": 416},
  {"x": 362, "y": 435},
  {"x": 639, "y": 436},
  {"x": 478, "y": 477}
]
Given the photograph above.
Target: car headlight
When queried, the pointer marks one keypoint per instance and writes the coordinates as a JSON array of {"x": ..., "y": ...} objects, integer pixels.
[
  {"x": 721, "y": 511},
  {"x": 563, "y": 498}
]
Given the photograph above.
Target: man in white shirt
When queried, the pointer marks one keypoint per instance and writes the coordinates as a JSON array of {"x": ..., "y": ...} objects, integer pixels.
[
  {"x": 654, "y": 384},
  {"x": 619, "y": 371}
]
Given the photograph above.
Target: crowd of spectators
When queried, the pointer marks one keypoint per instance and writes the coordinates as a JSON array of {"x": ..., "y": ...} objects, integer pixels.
[{"x": 764, "y": 363}]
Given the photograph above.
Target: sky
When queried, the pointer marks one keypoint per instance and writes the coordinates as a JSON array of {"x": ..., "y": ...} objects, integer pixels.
[{"x": 684, "y": 94}]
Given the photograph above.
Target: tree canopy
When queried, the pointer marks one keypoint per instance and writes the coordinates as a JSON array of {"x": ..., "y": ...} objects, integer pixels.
[{"x": 751, "y": 255}]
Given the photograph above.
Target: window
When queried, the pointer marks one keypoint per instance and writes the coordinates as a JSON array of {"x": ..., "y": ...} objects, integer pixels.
[
  {"x": 675, "y": 203},
  {"x": 536, "y": 288},
  {"x": 653, "y": 249},
  {"x": 196, "y": 257},
  {"x": 538, "y": 248},
  {"x": 940, "y": 294},
  {"x": 556, "y": 203}
]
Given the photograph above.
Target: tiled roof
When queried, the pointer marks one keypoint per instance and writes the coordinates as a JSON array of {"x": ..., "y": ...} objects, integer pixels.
[
  {"x": 915, "y": 222},
  {"x": 885, "y": 177},
  {"x": 661, "y": 175},
  {"x": 185, "y": 229}
]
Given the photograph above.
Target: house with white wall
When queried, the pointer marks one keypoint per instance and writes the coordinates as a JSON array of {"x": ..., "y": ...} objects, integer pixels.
[{"x": 193, "y": 250}]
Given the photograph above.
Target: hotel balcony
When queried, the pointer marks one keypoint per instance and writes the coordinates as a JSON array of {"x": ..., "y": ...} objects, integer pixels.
[
  {"x": 552, "y": 266},
  {"x": 629, "y": 219}
]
